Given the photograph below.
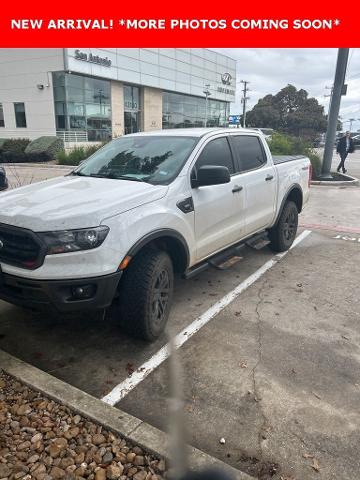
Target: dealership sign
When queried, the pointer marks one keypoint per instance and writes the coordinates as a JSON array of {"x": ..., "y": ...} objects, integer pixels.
[
  {"x": 103, "y": 61},
  {"x": 228, "y": 91},
  {"x": 226, "y": 78},
  {"x": 234, "y": 119}
]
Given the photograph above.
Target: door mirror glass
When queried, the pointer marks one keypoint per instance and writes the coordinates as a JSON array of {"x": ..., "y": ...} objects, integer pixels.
[{"x": 211, "y": 175}]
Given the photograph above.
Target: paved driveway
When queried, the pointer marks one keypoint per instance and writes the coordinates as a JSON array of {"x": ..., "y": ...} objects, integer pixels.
[{"x": 24, "y": 174}]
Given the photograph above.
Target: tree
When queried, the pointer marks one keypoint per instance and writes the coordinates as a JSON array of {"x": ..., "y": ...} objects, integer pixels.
[{"x": 290, "y": 111}]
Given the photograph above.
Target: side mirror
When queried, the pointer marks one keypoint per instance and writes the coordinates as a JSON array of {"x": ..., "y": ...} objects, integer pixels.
[{"x": 211, "y": 175}]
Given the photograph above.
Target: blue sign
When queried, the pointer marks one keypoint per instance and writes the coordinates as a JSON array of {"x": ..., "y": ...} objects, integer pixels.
[{"x": 234, "y": 119}]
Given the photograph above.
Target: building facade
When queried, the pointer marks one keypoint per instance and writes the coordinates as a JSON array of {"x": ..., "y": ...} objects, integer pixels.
[{"x": 85, "y": 94}]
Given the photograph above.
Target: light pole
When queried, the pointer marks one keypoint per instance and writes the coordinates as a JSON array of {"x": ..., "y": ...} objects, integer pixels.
[
  {"x": 101, "y": 96},
  {"x": 244, "y": 100},
  {"x": 207, "y": 93},
  {"x": 351, "y": 121},
  {"x": 340, "y": 72},
  {"x": 327, "y": 96}
]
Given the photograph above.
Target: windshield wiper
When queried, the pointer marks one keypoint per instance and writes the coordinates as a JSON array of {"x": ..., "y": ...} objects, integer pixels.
[
  {"x": 116, "y": 177},
  {"x": 133, "y": 179},
  {"x": 102, "y": 175},
  {"x": 80, "y": 174}
]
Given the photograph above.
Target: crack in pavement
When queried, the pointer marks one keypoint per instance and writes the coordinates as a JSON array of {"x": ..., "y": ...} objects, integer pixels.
[
  {"x": 304, "y": 442},
  {"x": 265, "y": 423}
]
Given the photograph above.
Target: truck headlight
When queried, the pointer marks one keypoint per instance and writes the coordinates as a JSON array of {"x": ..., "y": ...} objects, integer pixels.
[{"x": 74, "y": 240}]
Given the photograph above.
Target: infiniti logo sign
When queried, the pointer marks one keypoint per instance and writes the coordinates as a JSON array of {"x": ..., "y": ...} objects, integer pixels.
[{"x": 226, "y": 78}]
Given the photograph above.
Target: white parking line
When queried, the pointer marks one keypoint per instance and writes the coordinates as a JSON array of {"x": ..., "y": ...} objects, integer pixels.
[{"x": 125, "y": 387}]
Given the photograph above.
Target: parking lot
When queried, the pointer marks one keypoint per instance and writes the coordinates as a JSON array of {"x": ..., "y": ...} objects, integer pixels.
[{"x": 270, "y": 351}]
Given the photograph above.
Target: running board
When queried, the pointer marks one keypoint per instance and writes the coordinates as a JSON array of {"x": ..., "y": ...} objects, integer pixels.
[
  {"x": 226, "y": 259},
  {"x": 192, "y": 272},
  {"x": 220, "y": 261},
  {"x": 229, "y": 257},
  {"x": 258, "y": 241}
]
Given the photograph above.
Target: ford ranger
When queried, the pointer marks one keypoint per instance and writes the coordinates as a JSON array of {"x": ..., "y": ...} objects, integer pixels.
[{"x": 146, "y": 205}]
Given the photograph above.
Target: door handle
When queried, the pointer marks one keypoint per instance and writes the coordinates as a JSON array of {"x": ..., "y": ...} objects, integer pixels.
[
  {"x": 237, "y": 188},
  {"x": 269, "y": 177}
]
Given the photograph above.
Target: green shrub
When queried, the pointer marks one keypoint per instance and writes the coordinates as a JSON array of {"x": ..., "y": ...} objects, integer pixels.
[
  {"x": 281, "y": 144},
  {"x": 315, "y": 162},
  {"x": 77, "y": 155},
  {"x": 15, "y": 144},
  {"x": 2, "y": 141},
  {"x": 43, "y": 149},
  {"x": 12, "y": 150}
]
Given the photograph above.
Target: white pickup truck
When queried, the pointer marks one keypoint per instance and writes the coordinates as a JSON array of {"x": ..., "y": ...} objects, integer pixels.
[{"x": 114, "y": 231}]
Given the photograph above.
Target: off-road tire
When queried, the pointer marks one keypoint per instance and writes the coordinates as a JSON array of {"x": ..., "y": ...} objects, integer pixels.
[
  {"x": 283, "y": 234},
  {"x": 138, "y": 305}
]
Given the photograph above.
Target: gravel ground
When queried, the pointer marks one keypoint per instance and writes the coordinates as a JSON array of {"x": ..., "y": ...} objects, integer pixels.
[{"x": 43, "y": 440}]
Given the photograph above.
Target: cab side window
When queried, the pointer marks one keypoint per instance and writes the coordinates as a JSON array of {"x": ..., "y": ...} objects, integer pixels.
[
  {"x": 216, "y": 152},
  {"x": 250, "y": 152}
]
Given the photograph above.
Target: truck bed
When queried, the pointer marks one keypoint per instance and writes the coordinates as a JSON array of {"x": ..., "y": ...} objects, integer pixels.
[{"x": 277, "y": 159}]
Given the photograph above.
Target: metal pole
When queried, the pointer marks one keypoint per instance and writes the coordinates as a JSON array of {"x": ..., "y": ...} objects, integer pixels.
[
  {"x": 341, "y": 64},
  {"x": 244, "y": 113},
  {"x": 244, "y": 101},
  {"x": 206, "y": 97},
  {"x": 207, "y": 93}
]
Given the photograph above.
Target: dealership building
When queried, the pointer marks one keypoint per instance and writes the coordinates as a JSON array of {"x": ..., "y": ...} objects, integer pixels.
[{"x": 83, "y": 94}]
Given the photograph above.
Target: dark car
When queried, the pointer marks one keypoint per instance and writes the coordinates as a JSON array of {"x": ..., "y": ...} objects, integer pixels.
[{"x": 3, "y": 180}]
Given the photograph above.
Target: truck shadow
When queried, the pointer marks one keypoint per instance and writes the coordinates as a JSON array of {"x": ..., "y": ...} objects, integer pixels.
[{"x": 91, "y": 351}]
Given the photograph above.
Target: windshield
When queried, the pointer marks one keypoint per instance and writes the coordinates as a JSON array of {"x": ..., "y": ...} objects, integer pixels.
[{"x": 153, "y": 159}]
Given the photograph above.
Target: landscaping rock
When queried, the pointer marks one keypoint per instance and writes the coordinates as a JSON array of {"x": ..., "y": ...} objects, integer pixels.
[
  {"x": 98, "y": 439},
  {"x": 44, "y": 440},
  {"x": 113, "y": 472}
]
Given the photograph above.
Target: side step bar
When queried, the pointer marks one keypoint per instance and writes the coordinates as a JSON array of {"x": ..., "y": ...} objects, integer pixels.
[
  {"x": 258, "y": 241},
  {"x": 229, "y": 257}
]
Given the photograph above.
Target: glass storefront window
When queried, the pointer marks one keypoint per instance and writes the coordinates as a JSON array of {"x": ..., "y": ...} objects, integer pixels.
[
  {"x": 2, "y": 121},
  {"x": 182, "y": 111},
  {"x": 131, "y": 109},
  {"x": 131, "y": 122},
  {"x": 83, "y": 103},
  {"x": 131, "y": 98},
  {"x": 20, "y": 115}
]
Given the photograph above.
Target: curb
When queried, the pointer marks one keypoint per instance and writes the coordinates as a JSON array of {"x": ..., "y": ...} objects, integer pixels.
[
  {"x": 42, "y": 165},
  {"x": 132, "y": 428},
  {"x": 340, "y": 183}
]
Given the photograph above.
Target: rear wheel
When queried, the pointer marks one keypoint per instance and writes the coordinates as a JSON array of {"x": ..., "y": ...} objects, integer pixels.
[
  {"x": 283, "y": 233},
  {"x": 145, "y": 294}
]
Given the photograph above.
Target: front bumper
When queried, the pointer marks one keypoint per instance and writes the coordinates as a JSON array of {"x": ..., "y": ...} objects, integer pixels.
[{"x": 59, "y": 294}]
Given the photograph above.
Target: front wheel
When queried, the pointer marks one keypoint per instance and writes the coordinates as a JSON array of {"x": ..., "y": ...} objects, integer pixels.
[
  {"x": 283, "y": 233},
  {"x": 145, "y": 294}
]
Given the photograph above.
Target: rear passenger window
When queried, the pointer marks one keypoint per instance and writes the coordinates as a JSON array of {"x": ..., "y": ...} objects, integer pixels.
[
  {"x": 250, "y": 152},
  {"x": 216, "y": 152}
]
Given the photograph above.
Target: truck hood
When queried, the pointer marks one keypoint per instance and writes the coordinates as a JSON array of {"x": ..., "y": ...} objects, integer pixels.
[{"x": 73, "y": 202}]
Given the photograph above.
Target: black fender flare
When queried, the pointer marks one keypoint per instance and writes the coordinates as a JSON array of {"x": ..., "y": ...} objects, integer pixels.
[
  {"x": 293, "y": 187},
  {"x": 158, "y": 234}
]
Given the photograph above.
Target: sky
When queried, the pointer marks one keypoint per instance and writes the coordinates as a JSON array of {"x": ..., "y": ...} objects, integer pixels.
[{"x": 269, "y": 69}]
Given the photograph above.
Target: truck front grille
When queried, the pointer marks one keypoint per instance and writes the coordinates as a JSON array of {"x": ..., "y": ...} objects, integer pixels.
[{"x": 20, "y": 247}]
